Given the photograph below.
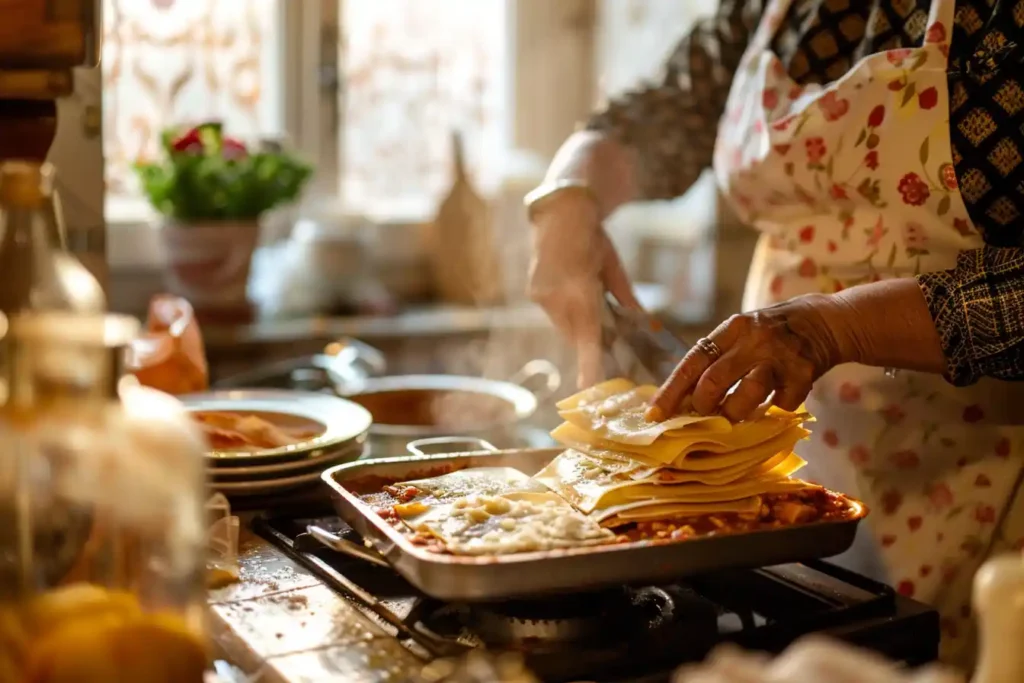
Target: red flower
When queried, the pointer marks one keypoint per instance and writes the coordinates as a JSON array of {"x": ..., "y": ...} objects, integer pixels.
[
  {"x": 859, "y": 455},
  {"x": 837, "y": 191},
  {"x": 833, "y": 107},
  {"x": 849, "y": 392},
  {"x": 871, "y": 159},
  {"x": 831, "y": 246},
  {"x": 948, "y": 175},
  {"x": 905, "y": 460},
  {"x": 914, "y": 236},
  {"x": 808, "y": 268},
  {"x": 897, "y": 56},
  {"x": 893, "y": 414},
  {"x": 888, "y": 540},
  {"x": 878, "y": 231},
  {"x": 189, "y": 142},
  {"x": 896, "y": 85},
  {"x": 973, "y": 413},
  {"x": 806, "y": 234},
  {"x": 876, "y": 116},
  {"x": 924, "y": 571},
  {"x": 982, "y": 481},
  {"x": 830, "y": 438},
  {"x": 782, "y": 149},
  {"x": 770, "y": 98},
  {"x": 914, "y": 523},
  {"x": 949, "y": 573},
  {"x": 940, "y": 495},
  {"x": 985, "y": 514},
  {"x": 906, "y": 587},
  {"x": 928, "y": 98},
  {"x": 234, "y": 149},
  {"x": 1003, "y": 448},
  {"x": 891, "y": 501},
  {"x": 816, "y": 149},
  {"x": 936, "y": 33},
  {"x": 914, "y": 190},
  {"x": 776, "y": 286}
]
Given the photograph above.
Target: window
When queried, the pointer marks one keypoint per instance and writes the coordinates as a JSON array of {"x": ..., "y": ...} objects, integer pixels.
[
  {"x": 168, "y": 62},
  {"x": 413, "y": 72}
]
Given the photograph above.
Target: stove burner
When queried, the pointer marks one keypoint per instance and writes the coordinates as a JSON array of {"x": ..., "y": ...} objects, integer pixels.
[
  {"x": 592, "y": 618},
  {"x": 627, "y": 633}
]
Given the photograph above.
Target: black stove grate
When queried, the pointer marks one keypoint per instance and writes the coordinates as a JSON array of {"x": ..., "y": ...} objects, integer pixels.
[{"x": 764, "y": 609}]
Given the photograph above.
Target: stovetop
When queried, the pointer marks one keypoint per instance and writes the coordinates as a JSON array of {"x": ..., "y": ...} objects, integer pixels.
[{"x": 626, "y": 634}]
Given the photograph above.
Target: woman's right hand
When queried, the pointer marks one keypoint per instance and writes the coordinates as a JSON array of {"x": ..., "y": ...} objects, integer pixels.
[
  {"x": 573, "y": 265},
  {"x": 574, "y": 262}
]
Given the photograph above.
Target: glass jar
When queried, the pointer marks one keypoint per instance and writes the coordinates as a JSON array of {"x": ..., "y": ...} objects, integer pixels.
[{"x": 102, "y": 534}]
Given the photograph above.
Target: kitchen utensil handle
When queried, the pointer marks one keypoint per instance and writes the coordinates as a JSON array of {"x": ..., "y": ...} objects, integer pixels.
[
  {"x": 415, "y": 446},
  {"x": 357, "y": 353},
  {"x": 345, "y": 547},
  {"x": 539, "y": 368}
]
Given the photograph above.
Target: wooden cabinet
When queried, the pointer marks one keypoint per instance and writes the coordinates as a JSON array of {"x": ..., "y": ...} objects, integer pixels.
[{"x": 41, "y": 41}]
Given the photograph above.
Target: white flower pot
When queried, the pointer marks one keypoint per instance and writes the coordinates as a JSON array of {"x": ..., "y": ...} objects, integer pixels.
[{"x": 208, "y": 262}]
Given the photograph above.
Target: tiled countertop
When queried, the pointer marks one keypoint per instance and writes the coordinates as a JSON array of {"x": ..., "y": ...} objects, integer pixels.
[{"x": 281, "y": 622}]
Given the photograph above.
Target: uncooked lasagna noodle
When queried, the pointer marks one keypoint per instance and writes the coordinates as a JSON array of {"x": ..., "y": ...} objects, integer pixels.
[
  {"x": 628, "y": 513},
  {"x": 587, "y": 490}
]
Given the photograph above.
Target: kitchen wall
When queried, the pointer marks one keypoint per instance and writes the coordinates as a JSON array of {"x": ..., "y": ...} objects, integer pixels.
[{"x": 77, "y": 152}]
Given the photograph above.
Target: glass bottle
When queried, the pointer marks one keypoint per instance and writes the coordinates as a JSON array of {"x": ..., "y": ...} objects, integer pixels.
[
  {"x": 37, "y": 273},
  {"x": 102, "y": 532}
]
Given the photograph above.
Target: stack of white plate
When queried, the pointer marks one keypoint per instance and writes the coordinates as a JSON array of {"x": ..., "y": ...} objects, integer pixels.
[{"x": 341, "y": 428}]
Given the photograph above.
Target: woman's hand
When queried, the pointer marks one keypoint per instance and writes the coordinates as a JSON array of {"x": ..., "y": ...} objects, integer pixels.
[
  {"x": 785, "y": 348},
  {"x": 782, "y": 349},
  {"x": 574, "y": 262}
]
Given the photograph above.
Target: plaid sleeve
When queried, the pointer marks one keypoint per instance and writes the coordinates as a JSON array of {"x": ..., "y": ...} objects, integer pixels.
[
  {"x": 978, "y": 309},
  {"x": 672, "y": 124}
]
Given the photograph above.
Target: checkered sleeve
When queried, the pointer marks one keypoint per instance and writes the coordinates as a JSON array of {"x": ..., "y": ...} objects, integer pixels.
[
  {"x": 978, "y": 310},
  {"x": 673, "y": 123}
]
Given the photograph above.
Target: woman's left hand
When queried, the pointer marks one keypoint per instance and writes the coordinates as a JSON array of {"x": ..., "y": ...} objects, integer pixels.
[{"x": 781, "y": 349}]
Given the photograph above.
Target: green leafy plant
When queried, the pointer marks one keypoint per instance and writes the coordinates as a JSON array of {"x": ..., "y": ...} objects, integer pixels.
[{"x": 206, "y": 176}]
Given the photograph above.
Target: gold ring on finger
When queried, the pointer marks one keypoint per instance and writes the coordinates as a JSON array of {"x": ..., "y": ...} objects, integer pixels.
[{"x": 709, "y": 349}]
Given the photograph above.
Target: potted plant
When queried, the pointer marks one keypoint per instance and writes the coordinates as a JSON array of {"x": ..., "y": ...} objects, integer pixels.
[{"x": 210, "y": 191}]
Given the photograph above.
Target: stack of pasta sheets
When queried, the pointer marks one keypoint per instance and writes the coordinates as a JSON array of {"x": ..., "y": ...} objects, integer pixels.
[{"x": 620, "y": 469}]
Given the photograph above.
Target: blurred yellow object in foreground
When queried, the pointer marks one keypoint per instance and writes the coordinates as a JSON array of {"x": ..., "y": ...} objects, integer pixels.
[{"x": 86, "y": 634}]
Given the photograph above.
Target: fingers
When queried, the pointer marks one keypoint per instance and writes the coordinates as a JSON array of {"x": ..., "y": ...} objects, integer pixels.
[
  {"x": 683, "y": 379},
  {"x": 793, "y": 392},
  {"x": 750, "y": 393},
  {"x": 614, "y": 276},
  {"x": 589, "y": 352},
  {"x": 666, "y": 402}
]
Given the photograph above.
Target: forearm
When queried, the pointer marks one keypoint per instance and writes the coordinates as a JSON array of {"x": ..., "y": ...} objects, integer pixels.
[
  {"x": 606, "y": 166},
  {"x": 885, "y": 324}
]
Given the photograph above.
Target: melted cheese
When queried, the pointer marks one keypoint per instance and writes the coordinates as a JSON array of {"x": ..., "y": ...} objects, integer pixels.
[
  {"x": 487, "y": 481},
  {"x": 513, "y": 523}
]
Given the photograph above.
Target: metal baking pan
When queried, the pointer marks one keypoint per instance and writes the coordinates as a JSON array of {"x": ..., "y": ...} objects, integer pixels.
[{"x": 492, "y": 578}]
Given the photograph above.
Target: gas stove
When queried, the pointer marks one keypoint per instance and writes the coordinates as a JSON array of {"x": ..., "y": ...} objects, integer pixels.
[{"x": 626, "y": 634}]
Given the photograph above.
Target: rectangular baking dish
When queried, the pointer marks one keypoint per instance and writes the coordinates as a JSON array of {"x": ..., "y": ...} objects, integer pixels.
[{"x": 523, "y": 575}]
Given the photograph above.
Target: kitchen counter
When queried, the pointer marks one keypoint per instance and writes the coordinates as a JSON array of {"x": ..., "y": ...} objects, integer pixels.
[{"x": 280, "y": 622}]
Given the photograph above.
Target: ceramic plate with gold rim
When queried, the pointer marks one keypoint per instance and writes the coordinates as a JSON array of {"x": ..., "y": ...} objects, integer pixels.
[{"x": 263, "y": 425}]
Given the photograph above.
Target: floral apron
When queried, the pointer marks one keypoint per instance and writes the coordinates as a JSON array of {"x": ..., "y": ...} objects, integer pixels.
[{"x": 852, "y": 182}]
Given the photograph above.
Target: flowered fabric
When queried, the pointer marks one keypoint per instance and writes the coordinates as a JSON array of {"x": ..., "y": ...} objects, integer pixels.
[
  {"x": 818, "y": 41},
  {"x": 853, "y": 180}
]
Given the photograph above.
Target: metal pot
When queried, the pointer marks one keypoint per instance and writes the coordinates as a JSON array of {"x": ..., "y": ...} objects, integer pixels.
[{"x": 413, "y": 407}]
